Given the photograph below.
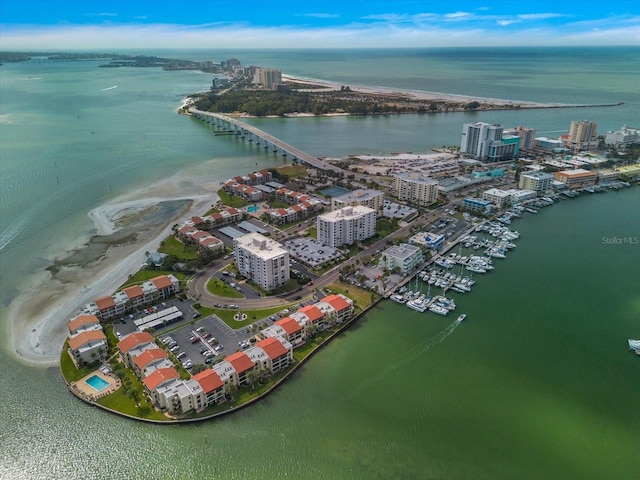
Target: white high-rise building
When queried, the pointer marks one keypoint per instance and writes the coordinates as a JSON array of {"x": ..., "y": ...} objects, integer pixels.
[
  {"x": 346, "y": 226},
  {"x": 536, "y": 181},
  {"x": 262, "y": 260},
  {"x": 416, "y": 189},
  {"x": 484, "y": 141}
]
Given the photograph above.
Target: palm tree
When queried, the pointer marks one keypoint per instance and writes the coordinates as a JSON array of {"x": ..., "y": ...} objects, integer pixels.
[
  {"x": 252, "y": 376},
  {"x": 231, "y": 390}
]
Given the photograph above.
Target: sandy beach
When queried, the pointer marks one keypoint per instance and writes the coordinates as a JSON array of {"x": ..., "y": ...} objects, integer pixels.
[
  {"x": 124, "y": 231},
  {"x": 420, "y": 95}
]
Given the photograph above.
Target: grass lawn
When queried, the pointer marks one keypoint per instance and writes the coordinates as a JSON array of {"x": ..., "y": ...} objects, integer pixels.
[
  {"x": 312, "y": 232},
  {"x": 231, "y": 200},
  {"x": 292, "y": 171},
  {"x": 252, "y": 315},
  {"x": 122, "y": 402},
  {"x": 217, "y": 287},
  {"x": 171, "y": 246},
  {"x": 68, "y": 368},
  {"x": 361, "y": 298}
]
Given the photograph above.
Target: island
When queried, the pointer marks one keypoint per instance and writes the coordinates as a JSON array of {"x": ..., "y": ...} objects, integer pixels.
[{"x": 287, "y": 258}]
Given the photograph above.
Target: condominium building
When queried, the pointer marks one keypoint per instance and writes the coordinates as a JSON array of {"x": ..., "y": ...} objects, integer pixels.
[
  {"x": 583, "y": 135},
  {"x": 576, "y": 178},
  {"x": 262, "y": 260},
  {"x": 487, "y": 142},
  {"x": 346, "y": 226},
  {"x": 405, "y": 257},
  {"x": 415, "y": 188},
  {"x": 364, "y": 197},
  {"x": 623, "y": 137},
  {"x": 536, "y": 181},
  {"x": 504, "y": 198},
  {"x": 527, "y": 136},
  {"x": 267, "y": 77}
]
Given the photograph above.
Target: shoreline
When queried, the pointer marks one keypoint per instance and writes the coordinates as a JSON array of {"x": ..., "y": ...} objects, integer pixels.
[
  {"x": 97, "y": 265},
  {"x": 423, "y": 95}
]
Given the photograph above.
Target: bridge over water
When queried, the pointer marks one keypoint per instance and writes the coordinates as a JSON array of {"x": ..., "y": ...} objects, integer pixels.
[{"x": 253, "y": 134}]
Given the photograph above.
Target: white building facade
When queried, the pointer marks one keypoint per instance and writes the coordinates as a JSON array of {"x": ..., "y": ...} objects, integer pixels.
[
  {"x": 416, "y": 189},
  {"x": 262, "y": 260},
  {"x": 346, "y": 226}
]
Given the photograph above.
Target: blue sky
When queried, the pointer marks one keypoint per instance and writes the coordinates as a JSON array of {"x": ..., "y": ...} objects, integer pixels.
[{"x": 94, "y": 24}]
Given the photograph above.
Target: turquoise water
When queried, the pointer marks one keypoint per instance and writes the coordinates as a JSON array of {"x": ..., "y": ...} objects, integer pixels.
[
  {"x": 97, "y": 383},
  {"x": 252, "y": 208},
  {"x": 537, "y": 382}
]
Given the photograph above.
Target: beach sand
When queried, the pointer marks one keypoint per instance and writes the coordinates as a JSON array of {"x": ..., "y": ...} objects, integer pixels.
[{"x": 125, "y": 230}]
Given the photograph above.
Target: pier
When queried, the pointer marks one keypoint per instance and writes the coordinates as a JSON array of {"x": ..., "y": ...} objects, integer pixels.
[{"x": 233, "y": 126}]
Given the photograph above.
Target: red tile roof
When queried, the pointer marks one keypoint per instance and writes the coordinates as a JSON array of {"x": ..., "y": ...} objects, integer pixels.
[
  {"x": 162, "y": 282},
  {"x": 273, "y": 347},
  {"x": 146, "y": 357},
  {"x": 208, "y": 380},
  {"x": 186, "y": 229},
  {"x": 313, "y": 312},
  {"x": 82, "y": 320},
  {"x": 240, "y": 362},
  {"x": 290, "y": 325},
  {"x": 337, "y": 302},
  {"x": 85, "y": 337},
  {"x": 160, "y": 376},
  {"x": 134, "y": 291},
  {"x": 133, "y": 340},
  {"x": 200, "y": 234},
  {"x": 104, "y": 303}
]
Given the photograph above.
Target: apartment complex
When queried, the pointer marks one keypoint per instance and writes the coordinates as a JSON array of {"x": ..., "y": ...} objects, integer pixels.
[
  {"x": 486, "y": 142},
  {"x": 262, "y": 260},
  {"x": 536, "y": 181},
  {"x": 416, "y": 189},
  {"x": 583, "y": 135},
  {"x": 623, "y": 137},
  {"x": 132, "y": 298},
  {"x": 363, "y": 197},
  {"x": 346, "y": 226},
  {"x": 267, "y": 77}
]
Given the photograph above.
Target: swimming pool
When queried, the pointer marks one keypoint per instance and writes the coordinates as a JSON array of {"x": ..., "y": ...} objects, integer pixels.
[
  {"x": 97, "y": 383},
  {"x": 252, "y": 208}
]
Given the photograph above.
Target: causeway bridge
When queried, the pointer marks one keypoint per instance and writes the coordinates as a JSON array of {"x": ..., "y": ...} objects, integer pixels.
[{"x": 252, "y": 134}]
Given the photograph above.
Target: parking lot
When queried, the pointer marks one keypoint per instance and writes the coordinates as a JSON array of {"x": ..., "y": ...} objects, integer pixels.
[{"x": 310, "y": 251}]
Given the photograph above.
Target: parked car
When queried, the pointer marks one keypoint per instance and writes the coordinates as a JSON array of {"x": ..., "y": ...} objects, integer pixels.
[
  {"x": 200, "y": 329},
  {"x": 175, "y": 348},
  {"x": 206, "y": 335},
  {"x": 194, "y": 339},
  {"x": 180, "y": 355},
  {"x": 218, "y": 347}
]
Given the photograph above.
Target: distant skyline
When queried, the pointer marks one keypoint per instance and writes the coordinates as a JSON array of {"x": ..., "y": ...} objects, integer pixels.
[{"x": 104, "y": 25}]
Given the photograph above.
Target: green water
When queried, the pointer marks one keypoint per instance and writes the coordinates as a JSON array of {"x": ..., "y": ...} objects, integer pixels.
[{"x": 537, "y": 383}]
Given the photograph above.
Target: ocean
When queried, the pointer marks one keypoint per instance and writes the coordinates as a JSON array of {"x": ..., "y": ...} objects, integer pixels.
[{"x": 536, "y": 383}]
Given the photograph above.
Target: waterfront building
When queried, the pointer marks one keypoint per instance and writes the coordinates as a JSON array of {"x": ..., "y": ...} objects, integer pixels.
[
  {"x": 486, "y": 142},
  {"x": 292, "y": 331},
  {"x": 429, "y": 240},
  {"x": 291, "y": 197},
  {"x": 519, "y": 196},
  {"x": 267, "y": 77},
  {"x": 310, "y": 315},
  {"x": 608, "y": 175},
  {"x": 88, "y": 346},
  {"x": 404, "y": 257},
  {"x": 415, "y": 188},
  {"x": 212, "y": 386},
  {"x": 576, "y": 178},
  {"x": 342, "y": 307},
  {"x": 346, "y": 226},
  {"x": 225, "y": 216},
  {"x": 262, "y": 260},
  {"x": 536, "y": 181},
  {"x": 242, "y": 364},
  {"x": 227, "y": 374},
  {"x": 477, "y": 205},
  {"x": 582, "y": 135},
  {"x": 500, "y": 198},
  {"x": 133, "y": 345},
  {"x": 150, "y": 360},
  {"x": 624, "y": 137},
  {"x": 83, "y": 323},
  {"x": 243, "y": 190},
  {"x": 156, "y": 380},
  {"x": 256, "y": 178},
  {"x": 364, "y": 197},
  {"x": 549, "y": 144},
  {"x": 279, "y": 353},
  {"x": 180, "y": 396}
]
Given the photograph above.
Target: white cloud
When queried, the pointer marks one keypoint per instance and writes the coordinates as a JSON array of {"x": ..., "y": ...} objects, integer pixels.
[
  {"x": 108, "y": 37},
  {"x": 540, "y": 16},
  {"x": 320, "y": 15}
]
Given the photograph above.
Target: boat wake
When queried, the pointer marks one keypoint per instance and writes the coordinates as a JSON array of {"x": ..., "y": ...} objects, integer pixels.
[
  {"x": 108, "y": 88},
  {"x": 410, "y": 356}
]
